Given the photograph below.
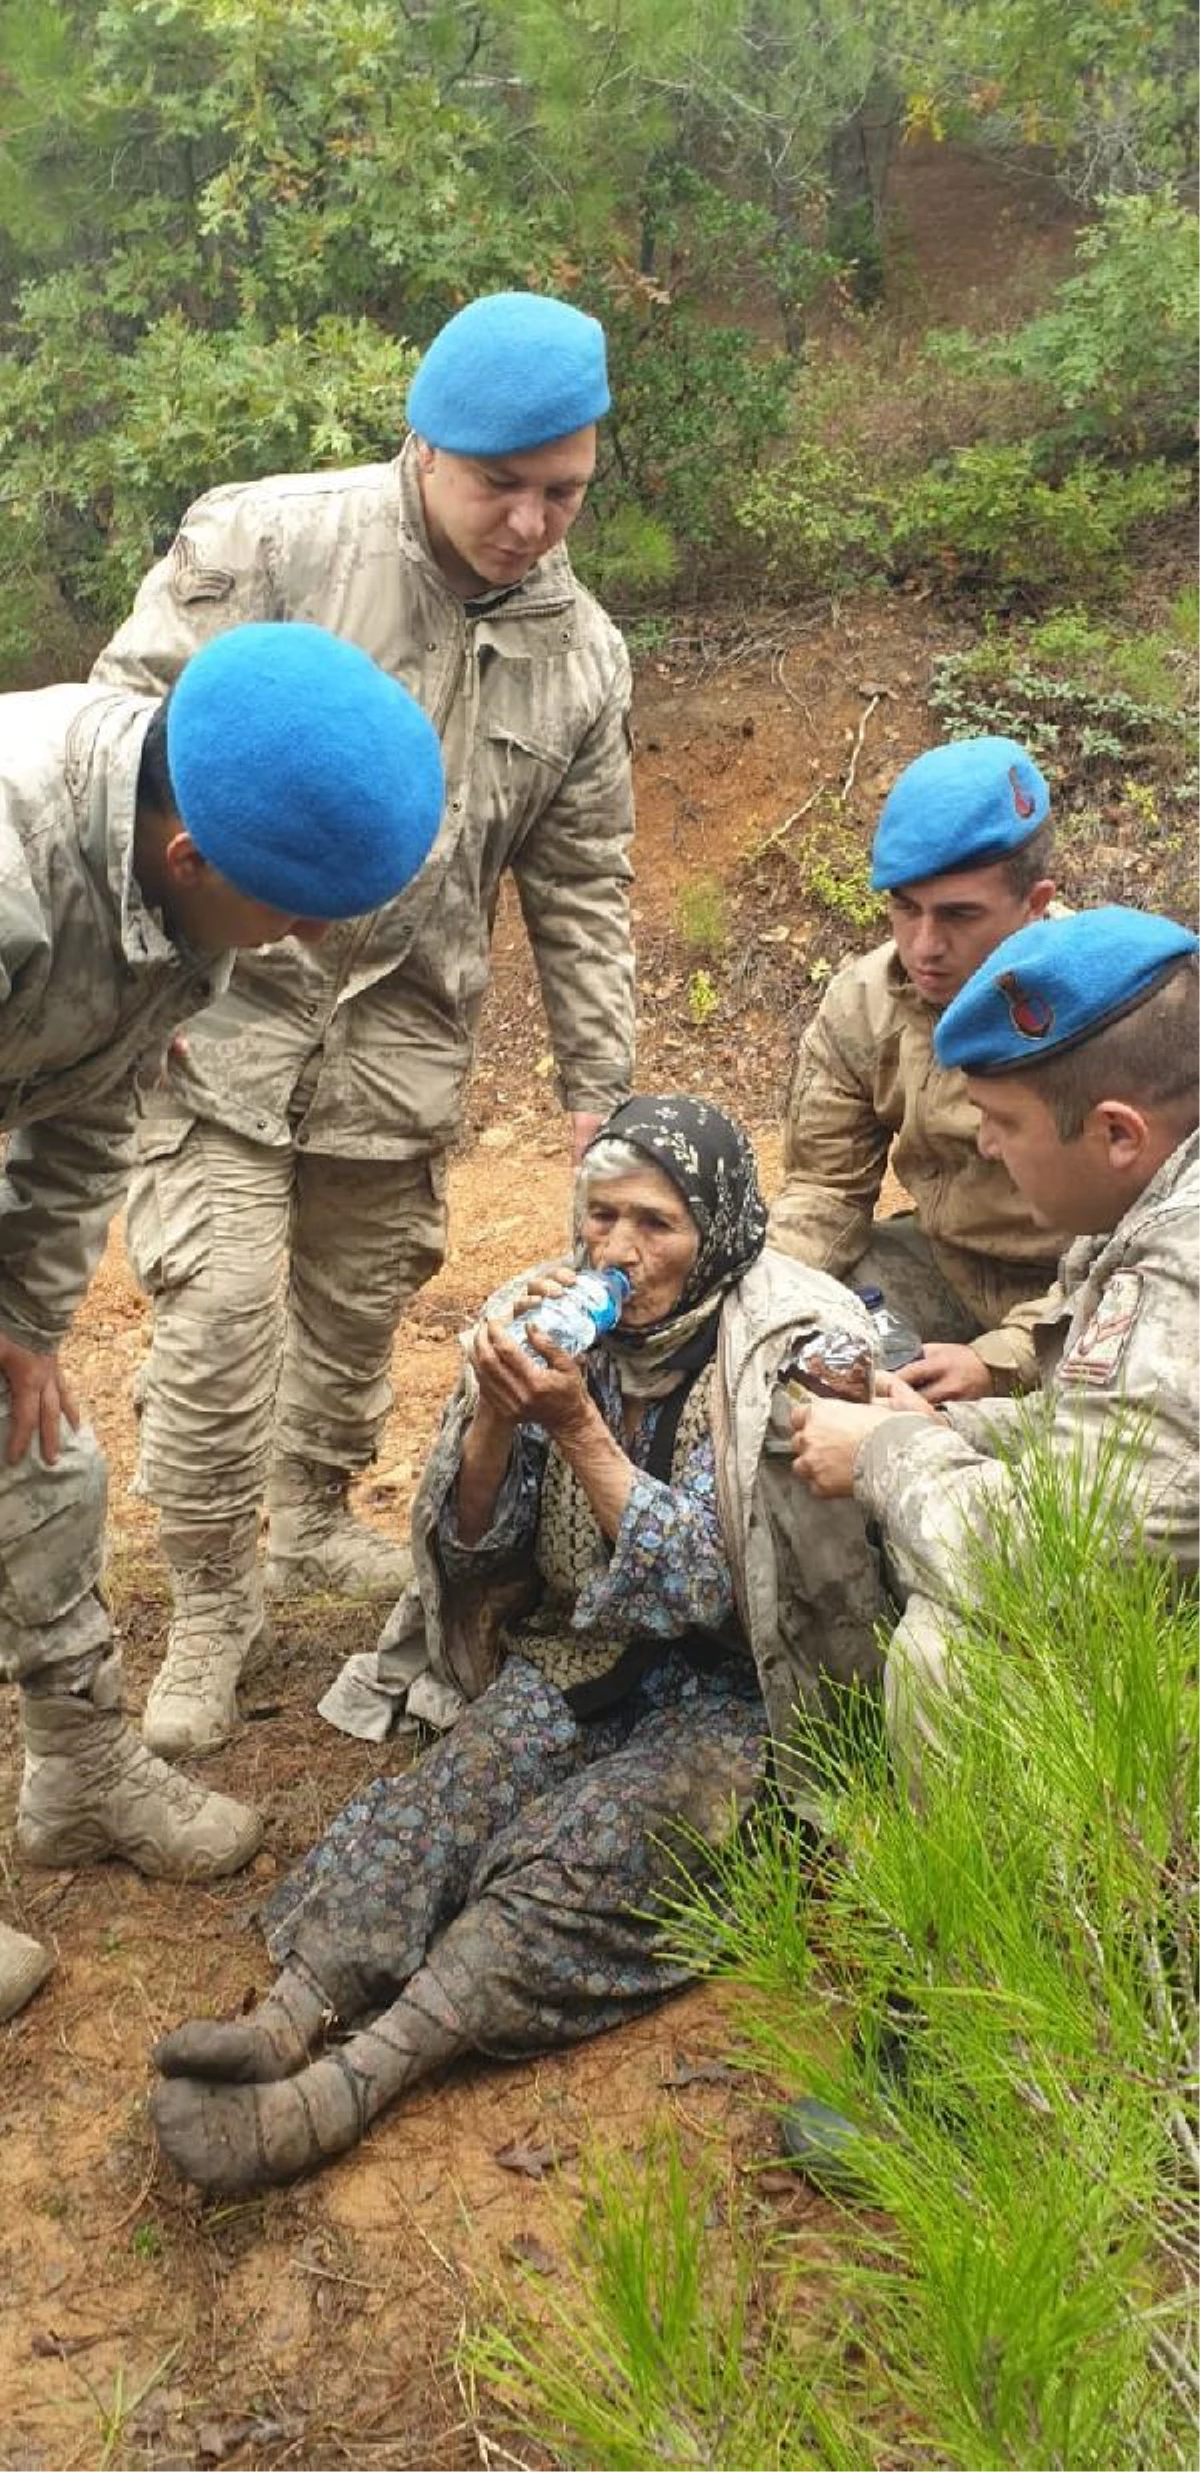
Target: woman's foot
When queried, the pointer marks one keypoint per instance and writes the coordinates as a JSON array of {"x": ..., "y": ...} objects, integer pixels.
[
  {"x": 250, "y": 2135},
  {"x": 273, "y": 2041}
]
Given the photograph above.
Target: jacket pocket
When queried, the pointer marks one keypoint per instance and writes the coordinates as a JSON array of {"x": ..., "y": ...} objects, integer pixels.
[{"x": 168, "y": 1216}]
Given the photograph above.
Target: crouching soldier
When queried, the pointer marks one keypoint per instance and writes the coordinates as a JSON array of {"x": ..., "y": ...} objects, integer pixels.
[
  {"x": 964, "y": 852},
  {"x": 285, "y": 782},
  {"x": 1078, "y": 1039}
]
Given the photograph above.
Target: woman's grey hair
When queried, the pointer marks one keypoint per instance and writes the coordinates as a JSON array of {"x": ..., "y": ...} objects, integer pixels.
[
  {"x": 603, "y": 1163},
  {"x": 612, "y": 1157}
]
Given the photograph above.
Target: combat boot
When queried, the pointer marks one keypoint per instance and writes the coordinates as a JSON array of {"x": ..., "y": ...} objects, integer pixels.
[
  {"x": 93, "y": 1791},
  {"x": 218, "y": 1637},
  {"x": 23, "y": 1969},
  {"x": 316, "y": 1544}
]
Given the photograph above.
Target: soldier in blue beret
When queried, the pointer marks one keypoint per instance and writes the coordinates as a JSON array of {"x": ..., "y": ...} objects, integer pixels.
[
  {"x": 286, "y": 782},
  {"x": 318, "y": 1101},
  {"x": 1078, "y": 1039},
  {"x": 963, "y": 851}
]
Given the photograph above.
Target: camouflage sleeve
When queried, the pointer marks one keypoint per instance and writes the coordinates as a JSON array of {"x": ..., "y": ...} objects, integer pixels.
[
  {"x": 216, "y": 574},
  {"x": 835, "y": 1149},
  {"x": 61, "y": 1185},
  {"x": 573, "y": 874},
  {"x": 931, "y": 1488},
  {"x": 1130, "y": 1371},
  {"x": 1009, "y": 1351}
]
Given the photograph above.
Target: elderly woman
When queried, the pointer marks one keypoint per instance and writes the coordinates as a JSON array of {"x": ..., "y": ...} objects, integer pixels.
[{"x": 499, "y": 1896}]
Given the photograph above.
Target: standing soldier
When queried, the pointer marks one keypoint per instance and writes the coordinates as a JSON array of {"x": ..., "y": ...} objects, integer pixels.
[
  {"x": 964, "y": 852},
  {"x": 285, "y": 782},
  {"x": 290, "y": 1196}
]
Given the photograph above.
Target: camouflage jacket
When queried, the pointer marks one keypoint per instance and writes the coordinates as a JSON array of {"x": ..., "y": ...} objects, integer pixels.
[
  {"x": 867, "y": 1089},
  {"x": 90, "y": 990},
  {"x": 1119, "y": 1340},
  {"x": 530, "y": 697}
]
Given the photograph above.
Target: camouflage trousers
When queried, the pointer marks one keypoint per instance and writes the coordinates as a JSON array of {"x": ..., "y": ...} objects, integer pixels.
[
  {"x": 53, "y": 1623},
  {"x": 899, "y": 1259},
  {"x": 278, "y": 1278}
]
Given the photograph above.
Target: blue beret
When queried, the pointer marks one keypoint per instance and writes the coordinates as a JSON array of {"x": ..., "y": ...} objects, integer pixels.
[
  {"x": 511, "y": 371},
  {"x": 1055, "y": 983},
  {"x": 302, "y": 771},
  {"x": 965, "y": 805}
]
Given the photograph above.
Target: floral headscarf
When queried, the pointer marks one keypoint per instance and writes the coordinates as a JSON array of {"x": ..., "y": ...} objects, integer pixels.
[
  {"x": 710, "y": 1162},
  {"x": 708, "y": 1159}
]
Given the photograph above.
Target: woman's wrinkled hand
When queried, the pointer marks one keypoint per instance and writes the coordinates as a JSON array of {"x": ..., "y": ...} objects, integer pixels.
[{"x": 520, "y": 1389}]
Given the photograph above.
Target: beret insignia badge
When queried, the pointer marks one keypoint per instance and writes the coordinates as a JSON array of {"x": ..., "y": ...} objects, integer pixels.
[
  {"x": 1029, "y": 1014},
  {"x": 1022, "y": 801}
]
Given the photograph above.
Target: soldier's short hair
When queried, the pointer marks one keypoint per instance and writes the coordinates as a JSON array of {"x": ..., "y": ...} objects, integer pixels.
[
  {"x": 154, "y": 790},
  {"x": 1147, "y": 1057},
  {"x": 1032, "y": 862}
]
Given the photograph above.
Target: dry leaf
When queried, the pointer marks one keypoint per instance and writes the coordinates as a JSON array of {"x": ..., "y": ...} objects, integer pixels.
[
  {"x": 534, "y": 2161},
  {"x": 528, "y": 2250},
  {"x": 698, "y": 2073}
]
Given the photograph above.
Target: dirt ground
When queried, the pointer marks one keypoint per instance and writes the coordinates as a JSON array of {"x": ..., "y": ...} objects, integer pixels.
[
  {"x": 140, "y": 2325},
  {"x": 137, "y": 2323}
]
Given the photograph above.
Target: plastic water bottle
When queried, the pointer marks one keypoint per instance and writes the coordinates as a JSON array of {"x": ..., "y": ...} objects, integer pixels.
[
  {"x": 577, "y": 1318},
  {"x": 899, "y": 1343}
]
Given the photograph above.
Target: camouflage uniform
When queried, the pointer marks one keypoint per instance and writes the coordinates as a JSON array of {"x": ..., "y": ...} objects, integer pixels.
[
  {"x": 972, "y": 1265},
  {"x": 90, "y": 990},
  {"x": 317, "y": 1098},
  {"x": 1120, "y": 1335}
]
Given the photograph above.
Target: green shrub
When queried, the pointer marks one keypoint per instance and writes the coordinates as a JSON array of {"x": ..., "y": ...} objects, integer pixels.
[
  {"x": 1111, "y": 367},
  {"x": 990, "y": 518},
  {"x": 816, "y": 515}
]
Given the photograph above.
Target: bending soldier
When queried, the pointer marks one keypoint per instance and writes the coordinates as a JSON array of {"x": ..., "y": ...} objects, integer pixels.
[
  {"x": 1078, "y": 1039},
  {"x": 286, "y": 781},
  {"x": 964, "y": 852},
  {"x": 290, "y": 1196}
]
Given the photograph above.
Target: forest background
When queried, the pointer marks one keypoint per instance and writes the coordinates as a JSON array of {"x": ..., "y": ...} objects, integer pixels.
[{"x": 227, "y": 227}]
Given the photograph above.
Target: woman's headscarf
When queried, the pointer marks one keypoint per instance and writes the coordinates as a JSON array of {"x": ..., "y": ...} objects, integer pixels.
[{"x": 708, "y": 1159}]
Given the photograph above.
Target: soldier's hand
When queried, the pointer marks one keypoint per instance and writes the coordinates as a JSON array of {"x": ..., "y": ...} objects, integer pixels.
[
  {"x": 944, "y": 1371},
  {"x": 584, "y": 1129},
  {"x": 826, "y": 1437},
  {"x": 39, "y": 1398}
]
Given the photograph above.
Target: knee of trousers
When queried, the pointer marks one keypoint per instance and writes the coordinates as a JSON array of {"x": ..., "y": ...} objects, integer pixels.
[
  {"x": 916, "y": 1679},
  {"x": 353, "y": 1273},
  {"x": 51, "y": 1554},
  {"x": 208, "y": 1389}
]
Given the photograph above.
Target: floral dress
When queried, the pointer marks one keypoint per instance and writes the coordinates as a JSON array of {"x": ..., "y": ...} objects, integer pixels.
[{"x": 526, "y": 1856}]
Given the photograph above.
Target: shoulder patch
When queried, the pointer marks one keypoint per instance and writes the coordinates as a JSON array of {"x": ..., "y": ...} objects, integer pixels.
[
  {"x": 1095, "y": 1356},
  {"x": 191, "y": 579}
]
